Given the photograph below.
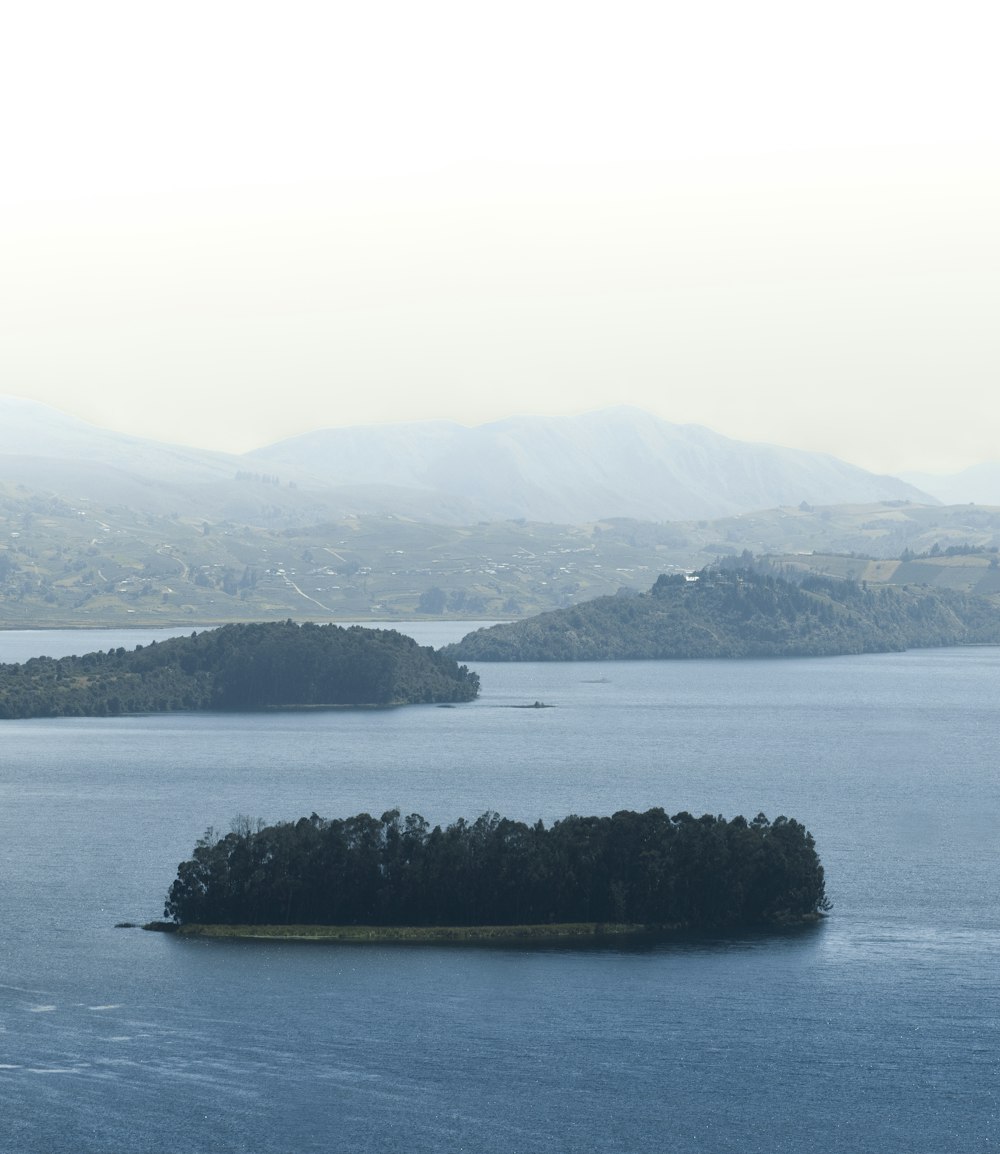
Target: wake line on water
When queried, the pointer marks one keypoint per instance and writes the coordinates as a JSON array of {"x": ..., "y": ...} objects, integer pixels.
[{"x": 22, "y": 989}]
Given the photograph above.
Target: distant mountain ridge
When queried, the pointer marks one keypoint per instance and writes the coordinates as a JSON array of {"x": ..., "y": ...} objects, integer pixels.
[
  {"x": 619, "y": 462},
  {"x": 979, "y": 485},
  {"x": 31, "y": 429},
  {"x": 50, "y": 451}
]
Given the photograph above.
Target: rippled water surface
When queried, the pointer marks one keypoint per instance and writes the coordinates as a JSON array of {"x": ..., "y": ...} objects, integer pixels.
[{"x": 878, "y": 1031}]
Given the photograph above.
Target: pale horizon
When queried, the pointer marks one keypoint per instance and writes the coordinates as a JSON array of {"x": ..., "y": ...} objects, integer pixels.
[
  {"x": 780, "y": 223},
  {"x": 206, "y": 445}
]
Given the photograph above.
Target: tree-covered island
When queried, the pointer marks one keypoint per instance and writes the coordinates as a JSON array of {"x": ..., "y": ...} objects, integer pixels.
[
  {"x": 270, "y": 665},
  {"x": 741, "y": 612},
  {"x": 640, "y": 870}
]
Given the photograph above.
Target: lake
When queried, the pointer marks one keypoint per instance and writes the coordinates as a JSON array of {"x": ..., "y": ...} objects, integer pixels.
[{"x": 876, "y": 1031}]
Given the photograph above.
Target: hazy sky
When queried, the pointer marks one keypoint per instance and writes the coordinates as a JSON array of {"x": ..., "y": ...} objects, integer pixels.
[{"x": 223, "y": 223}]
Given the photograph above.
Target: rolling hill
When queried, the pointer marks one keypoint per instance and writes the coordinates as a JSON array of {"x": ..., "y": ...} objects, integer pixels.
[{"x": 740, "y": 612}]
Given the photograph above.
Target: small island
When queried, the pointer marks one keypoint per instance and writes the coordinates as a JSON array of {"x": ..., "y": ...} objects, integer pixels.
[
  {"x": 391, "y": 878},
  {"x": 271, "y": 665},
  {"x": 738, "y": 612}
]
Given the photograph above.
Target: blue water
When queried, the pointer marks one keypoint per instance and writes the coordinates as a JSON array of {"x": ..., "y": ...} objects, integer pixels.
[{"x": 878, "y": 1031}]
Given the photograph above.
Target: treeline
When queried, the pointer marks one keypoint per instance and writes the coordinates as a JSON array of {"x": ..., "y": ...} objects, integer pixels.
[
  {"x": 740, "y": 612},
  {"x": 238, "y": 667},
  {"x": 645, "y": 869}
]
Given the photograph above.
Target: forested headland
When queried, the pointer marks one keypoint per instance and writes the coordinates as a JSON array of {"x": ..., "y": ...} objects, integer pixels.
[
  {"x": 641, "y": 869},
  {"x": 741, "y": 612},
  {"x": 239, "y": 667}
]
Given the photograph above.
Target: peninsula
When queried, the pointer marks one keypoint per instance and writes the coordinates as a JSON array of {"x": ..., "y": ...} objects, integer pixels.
[
  {"x": 741, "y": 612},
  {"x": 273, "y": 665},
  {"x": 393, "y": 878}
]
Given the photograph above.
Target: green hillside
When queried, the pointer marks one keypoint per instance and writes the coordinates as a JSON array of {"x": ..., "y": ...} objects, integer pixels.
[
  {"x": 740, "y": 612},
  {"x": 74, "y": 562},
  {"x": 958, "y": 567},
  {"x": 238, "y": 667}
]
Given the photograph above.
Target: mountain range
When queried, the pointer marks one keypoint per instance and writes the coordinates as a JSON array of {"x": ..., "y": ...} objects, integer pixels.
[
  {"x": 102, "y": 528},
  {"x": 619, "y": 462}
]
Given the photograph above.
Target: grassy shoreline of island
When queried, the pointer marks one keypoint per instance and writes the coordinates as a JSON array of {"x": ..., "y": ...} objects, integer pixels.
[
  {"x": 558, "y": 931},
  {"x": 438, "y": 934}
]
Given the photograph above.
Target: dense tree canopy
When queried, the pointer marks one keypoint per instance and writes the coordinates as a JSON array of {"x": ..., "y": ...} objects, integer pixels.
[
  {"x": 739, "y": 612},
  {"x": 636, "y": 868},
  {"x": 240, "y": 667}
]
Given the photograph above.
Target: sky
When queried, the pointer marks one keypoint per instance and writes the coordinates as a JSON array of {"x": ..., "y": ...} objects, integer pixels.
[{"x": 224, "y": 223}]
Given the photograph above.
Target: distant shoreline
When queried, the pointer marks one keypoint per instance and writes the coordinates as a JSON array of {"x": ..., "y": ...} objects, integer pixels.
[{"x": 369, "y": 620}]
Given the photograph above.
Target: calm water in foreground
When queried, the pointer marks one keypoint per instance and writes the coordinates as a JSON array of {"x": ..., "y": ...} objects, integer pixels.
[{"x": 878, "y": 1031}]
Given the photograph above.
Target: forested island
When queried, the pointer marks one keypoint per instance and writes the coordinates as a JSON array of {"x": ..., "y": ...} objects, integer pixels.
[
  {"x": 271, "y": 665},
  {"x": 632, "y": 870},
  {"x": 741, "y": 612}
]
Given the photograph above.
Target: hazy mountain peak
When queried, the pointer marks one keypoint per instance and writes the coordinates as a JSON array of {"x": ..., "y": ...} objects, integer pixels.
[
  {"x": 30, "y": 428},
  {"x": 618, "y": 462},
  {"x": 978, "y": 484},
  {"x": 27, "y": 424}
]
